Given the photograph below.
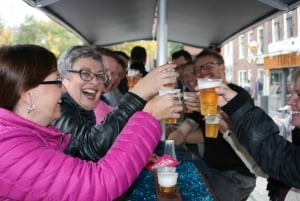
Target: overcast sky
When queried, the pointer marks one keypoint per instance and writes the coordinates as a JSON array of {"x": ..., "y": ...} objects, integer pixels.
[{"x": 14, "y": 11}]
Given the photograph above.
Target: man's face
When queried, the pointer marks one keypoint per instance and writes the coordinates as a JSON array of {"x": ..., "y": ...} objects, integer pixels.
[
  {"x": 294, "y": 103},
  {"x": 209, "y": 67},
  {"x": 189, "y": 77},
  {"x": 179, "y": 62},
  {"x": 111, "y": 69}
]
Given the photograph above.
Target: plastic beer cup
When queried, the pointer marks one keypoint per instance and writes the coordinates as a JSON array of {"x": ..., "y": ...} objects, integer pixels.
[
  {"x": 212, "y": 126},
  {"x": 208, "y": 97},
  {"x": 172, "y": 84},
  {"x": 186, "y": 96},
  {"x": 131, "y": 77},
  {"x": 167, "y": 181},
  {"x": 176, "y": 95}
]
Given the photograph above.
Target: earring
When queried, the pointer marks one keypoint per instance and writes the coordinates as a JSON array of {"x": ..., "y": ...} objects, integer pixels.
[{"x": 30, "y": 108}]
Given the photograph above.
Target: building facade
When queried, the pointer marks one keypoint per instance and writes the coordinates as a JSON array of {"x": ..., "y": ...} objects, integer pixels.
[{"x": 265, "y": 55}]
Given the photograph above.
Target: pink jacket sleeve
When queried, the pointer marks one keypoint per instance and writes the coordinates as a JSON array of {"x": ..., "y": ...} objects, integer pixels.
[
  {"x": 30, "y": 171},
  {"x": 101, "y": 110}
]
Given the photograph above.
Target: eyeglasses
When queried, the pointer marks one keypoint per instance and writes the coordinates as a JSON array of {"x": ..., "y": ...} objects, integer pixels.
[
  {"x": 207, "y": 66},
  {"x": 57, "y": 82},
  {"x": 86, "y": 75}
]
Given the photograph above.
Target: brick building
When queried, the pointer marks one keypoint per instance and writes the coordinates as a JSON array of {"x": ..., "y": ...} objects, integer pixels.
[{"x": 268, "y": 51}]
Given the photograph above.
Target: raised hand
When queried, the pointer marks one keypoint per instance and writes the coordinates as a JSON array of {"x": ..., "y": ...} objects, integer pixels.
[
  {"x": 148, "y": 86},
  {"x": 163, "y": 107}
]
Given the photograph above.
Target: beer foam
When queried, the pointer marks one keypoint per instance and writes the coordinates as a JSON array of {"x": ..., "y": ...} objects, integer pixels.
[
  {"x": 208, "y": 83},
  {"x": 165, "y": 91},
  {"x": 167, "y": 179}
]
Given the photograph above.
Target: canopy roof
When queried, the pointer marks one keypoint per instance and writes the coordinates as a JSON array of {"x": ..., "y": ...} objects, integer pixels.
[{"x": 198, "y": 23}]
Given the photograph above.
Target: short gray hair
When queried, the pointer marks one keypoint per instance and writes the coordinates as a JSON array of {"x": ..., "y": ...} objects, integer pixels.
[{"x": 72, "y": 54}]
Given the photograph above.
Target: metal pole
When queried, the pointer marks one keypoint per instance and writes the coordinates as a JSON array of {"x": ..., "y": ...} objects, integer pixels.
[
  {"x": 162, "y": 39},
  {"x": 162, "y": 42}
]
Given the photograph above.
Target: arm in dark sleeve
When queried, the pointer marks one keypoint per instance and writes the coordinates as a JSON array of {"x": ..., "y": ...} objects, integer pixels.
[
  {"x": 91, "y": 142},
  {"x": 260, "y": 135}
]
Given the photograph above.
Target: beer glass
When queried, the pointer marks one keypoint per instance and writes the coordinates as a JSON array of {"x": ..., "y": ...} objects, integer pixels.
[
  {"x": 186, "y": 96},
  {"x": 172, "y": 84},
  {"x": 132, "y": 77},
  {"x": 167, "y": 181},
  {"x": 212, "y": 126},
  {"x": 208, "y": 97},
  {"x": 177, "y": 97},
  {"x": 170, "y": 148}
]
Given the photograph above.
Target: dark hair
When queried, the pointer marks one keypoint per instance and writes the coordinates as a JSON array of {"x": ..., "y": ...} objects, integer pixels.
[
  {"x": 123, "y": 54},
  {"x": 210, "y": 52},
  {"x": 138, "y": 54},
  {"x": 139, "y": 66},
  {"x": 184, "y": 53},
  {"x": 23, "y": 67}
]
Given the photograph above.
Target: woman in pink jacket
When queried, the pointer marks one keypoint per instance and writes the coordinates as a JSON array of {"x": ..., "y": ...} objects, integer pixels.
[{"x": 32, "y": 163}]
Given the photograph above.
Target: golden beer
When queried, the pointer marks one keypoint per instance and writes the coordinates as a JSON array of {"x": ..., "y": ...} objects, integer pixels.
[
  {"x": 131, "y": 81},
  {"x": 212, "y": 126},
  {"x": 170, "y": 85},
  {"x": 208, "y": 97},
  {"x": 132, "y": 78},
  {"x": 170, "y": 121},
  {"x": 187, "y": 95},
  {"x": 186, "y": 109},
  {"x": 167, "y": 181},
  {"x": 208, "y": 101},
  {"x": 167, "y": 189},
  {"x": 176, "y": 95}
]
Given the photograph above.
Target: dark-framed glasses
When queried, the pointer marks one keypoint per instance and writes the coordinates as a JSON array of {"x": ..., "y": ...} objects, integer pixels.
[
  {"x": 57, "y": 82},
  {"x": 86, "y": 75},
  {"x": 207, "y": 66}
]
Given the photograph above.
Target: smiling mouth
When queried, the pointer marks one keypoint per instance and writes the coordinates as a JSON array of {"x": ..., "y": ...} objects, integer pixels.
[
  {"x": 91, "y": 94},
  {"x": 295, "y": 112}
]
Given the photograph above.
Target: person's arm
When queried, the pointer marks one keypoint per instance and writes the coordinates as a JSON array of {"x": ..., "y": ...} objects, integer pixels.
[
  {"x": 259, "y": 134},
  {"x": 33, "y": 166},
  {"x": 92, "y": 142},
  {"x": 183, "y": 132}
]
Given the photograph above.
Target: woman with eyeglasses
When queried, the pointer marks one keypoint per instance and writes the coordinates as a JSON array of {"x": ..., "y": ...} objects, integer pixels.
[
  {"x": 83, "y": 80},
  {"x": 33, "y": 164}
]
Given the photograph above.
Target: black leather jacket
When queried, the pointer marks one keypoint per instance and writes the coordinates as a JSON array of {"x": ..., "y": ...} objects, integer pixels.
[
  {"x": 91, "y": 141},
  {"x": 260, "y": 135}
]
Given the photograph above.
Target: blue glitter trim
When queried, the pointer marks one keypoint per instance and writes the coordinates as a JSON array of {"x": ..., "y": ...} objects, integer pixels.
[{"x": 190, "y": 183}]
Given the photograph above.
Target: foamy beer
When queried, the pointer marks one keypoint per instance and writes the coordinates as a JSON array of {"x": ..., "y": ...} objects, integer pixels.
[
  {"x": 212, "y": 126},
  {"x": 132, "y": 77},
  {"x": 208, "y": 97},
  {"x": 186, "y": 96},
  {"x": 177, "y": 97},
  {"x": 167, "y": 181},
  {"x": 172, "y": 83}
]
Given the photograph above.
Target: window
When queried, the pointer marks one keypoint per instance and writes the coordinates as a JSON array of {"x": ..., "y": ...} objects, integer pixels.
[
  {"x": 242, "y": 78},
  {"x": 276, "y": 30},
  {"x": 289, "y": 24},
  {"x": 250, "y": 38},
  {"x": 241, "y": 46},
  {"x": 260, "y": 38}
]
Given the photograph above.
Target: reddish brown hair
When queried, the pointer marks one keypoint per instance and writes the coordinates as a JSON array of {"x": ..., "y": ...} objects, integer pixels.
[{"x": 22, "y": 67}]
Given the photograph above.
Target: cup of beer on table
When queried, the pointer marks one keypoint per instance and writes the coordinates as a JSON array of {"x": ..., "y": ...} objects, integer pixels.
[
  {"x": 212, "y": 126},
  {"x": 177, "y": 97},
  {"x": 208, "y": 97},
  {"x": 132, "y": 78},
  {"x": 167, "y": 181}
]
